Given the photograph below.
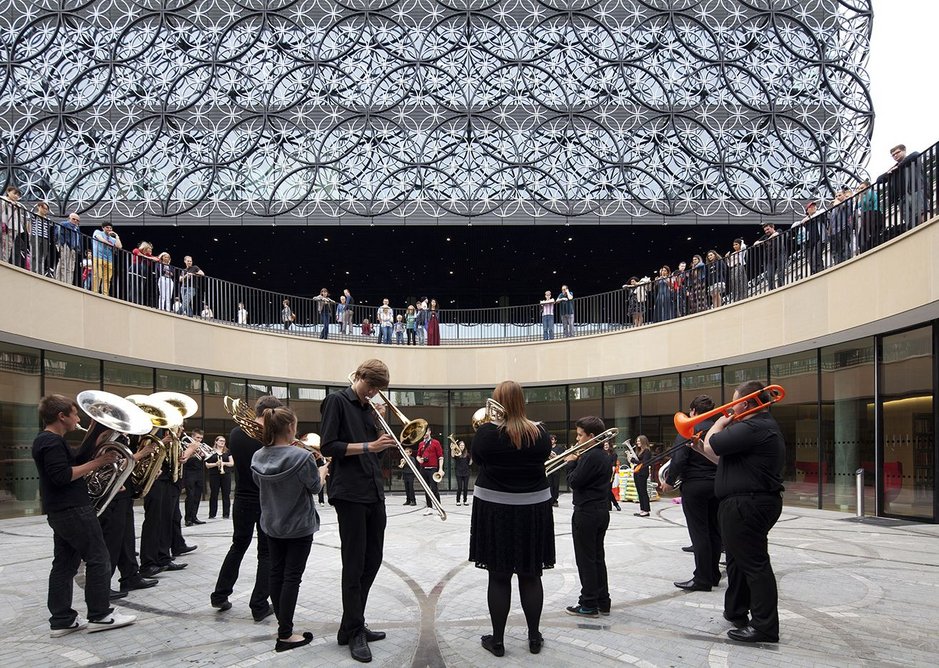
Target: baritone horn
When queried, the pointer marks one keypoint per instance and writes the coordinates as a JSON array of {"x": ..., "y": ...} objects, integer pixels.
[
  {"x": 492, "y": 412},
  {"x": 556, "y": 463}
]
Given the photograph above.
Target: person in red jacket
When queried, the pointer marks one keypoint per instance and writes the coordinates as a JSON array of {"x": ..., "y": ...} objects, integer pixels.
[{"x": 430, "y": 457}]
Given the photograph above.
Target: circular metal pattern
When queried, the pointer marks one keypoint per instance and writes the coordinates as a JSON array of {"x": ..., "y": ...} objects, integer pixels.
[{"x": 519, "y": 109}]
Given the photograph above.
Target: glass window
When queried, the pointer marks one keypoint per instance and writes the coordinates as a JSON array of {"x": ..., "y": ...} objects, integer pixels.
[
  {"x": 585, "y": 399},
  {"x": 701, "y": 381},
  {"x": 797, "y": 416},
  {"x": 430, "y": 405},
  {"x": 19, "y": 423},
  {"x": 660, "y": 400},
  {"x": 908, "y": 423},
  {"x": 621, "y": 407},
  {"x": 305, "y": 400},
  {"x": 549, "y": 405},
  {"x": 847, "y": 422},
  {"x": 189, "y": 384},
  {"x": 125, "y": 379},
  {"x": 70, "y": 374},
  {"x": 736, "y": 374}
]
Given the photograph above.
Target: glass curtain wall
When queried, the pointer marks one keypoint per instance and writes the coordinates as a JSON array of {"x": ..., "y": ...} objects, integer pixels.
[
  {"x": 661, "y": 398},
  {"x": 909, "y": 420},
  {"x": 847, "y": 422},
  {"x": 70, "y": 375},
  {"x": 621, "y": 407},
  {"x": 797, "y": 416},
  {"x": 20, "y": 391}
]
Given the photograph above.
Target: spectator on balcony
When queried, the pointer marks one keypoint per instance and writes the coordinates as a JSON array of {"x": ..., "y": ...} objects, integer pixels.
[
  {"x": 41, "y": 250},
  {"x": 207, "y": 313},
  {"x": 410, "y": 324},
  {"x": 366, "y": 327},
  {"x": 10, "y": 214},
  {"x": 664, "y": 292},
  {"x": 774, "y": 257},
  {"x": 68, "y": 242},
  {"x": 737, "y": 264},
  {"x": 178, "y": 306},
  {"x": 871, "y": 222},
  {"x": 399, "y": 329},
  {"x": 564, "y": 305},
  {"x": 242, "y": 314},
  {"x": 680, "y": 285},
  {"x": 104, "y": 241},
  {"x": 166, "y": 285},
  {"x": 547, "y": 316},
  {"x": 349, "y": 313},
  {"x": 906, "y": 182},
  {"x": 324, "y": 311},
  {"x": 433, "y": 325},
  {"x": 697, "y": 285},
  {"x": 287, "y": 316},
  {"x": 385, "y": 320},
  {"x": 88, "y": 265},
  {"x": 636, "y": 300},
  {"x": 421, "y": 322},
  {"x": 188, "y": 284},
  {"x": 716, "y": 278},
  {"x": 811, "y": 232},
  {"x": 341, "y": 314},
  {"x": 840, "y": 226},
  {"x": 139, "y": 273}
]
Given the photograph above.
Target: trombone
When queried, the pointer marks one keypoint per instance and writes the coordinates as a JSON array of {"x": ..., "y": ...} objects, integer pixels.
[
  {"x": 685, "y": 424},
  {"x": 556, "y": 463}
]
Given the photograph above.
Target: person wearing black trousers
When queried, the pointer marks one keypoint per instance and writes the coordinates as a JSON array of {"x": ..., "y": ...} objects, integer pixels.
[
  {"x": 641, "y": 478},
  {"x": 221, "y": 470},
  {"x": 750, "y": 454},
  {"x": 462, "y": 464},
  {"x": 556, "y": 476},
  {"x": 407, "y": 475},
  {"x": 194, "y": 481},
  {"x": 695, "y": 473},
  {"x": 610, "y": 451},
  {"x": 349, "y": 435},
  {"x": 589, "y": 478}
]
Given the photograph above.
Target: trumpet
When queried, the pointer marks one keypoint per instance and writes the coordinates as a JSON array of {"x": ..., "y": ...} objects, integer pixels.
[
  {"x": 685, "y": 424},
  {"x": 221, "y": 463},
  {"x": 556, "y": 463}
]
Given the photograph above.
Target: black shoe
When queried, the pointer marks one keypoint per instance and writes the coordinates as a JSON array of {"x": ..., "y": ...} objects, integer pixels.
[
  {"x": 139, "y": 583},
  {"x": 605, "y": 613},
  {"x": 225, "y": 517},
  {"x": 370, "y": 636},
  {"x": 535, "y": 643},
  {"x": 198, "y": 522},
  {"x": 222, "y": 606},
  {"x": 581, "y": 611},
  {"x": 618, "y": 508},
  {"x": 150, "y": 571},
  {"x": 174, "y": 566},
  {"x": 738, "y": 622},
  {"x": 185, "y": 550},
  {"x": 750, "y": 634},
  {"x": 691, "y": 585},
  {"x": 188, "y": 523},
  {"x": 283, "y": 645},
  {"x": 264, "y": 614},
  {"x": 211, "y": 517},
  {"x": 641, "y": 514},
  {"x": 490, "y": 645},
  {"x": 358, "y": 648},
  {"x": 556, "y": 504},
  {"x": 407, "y": 503},
  {"x": 690, "y": 548},
  {"x": 114, "y": 595}
]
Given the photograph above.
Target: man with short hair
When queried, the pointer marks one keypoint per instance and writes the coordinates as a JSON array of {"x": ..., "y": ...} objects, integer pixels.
[
  {"x": 76, "y": 532},
  {"x": 430, "y": 458},
  {"x": 750, "y": 454},
  {"x": 187, "y": 284},
  {"x": 348, "y": 314},
  {"x": 68, "y": 242},
  {"x": 774, "y": 256},
  {"x": 589, "y": 477},
  {"x": 565, "y": 308},
  {"x": 906, "y": 183},
  {"x": 105, "y": 240},
  {"x": 194, "y": 481}
]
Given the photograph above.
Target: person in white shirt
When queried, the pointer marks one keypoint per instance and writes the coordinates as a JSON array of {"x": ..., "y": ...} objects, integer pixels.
[
  {"x": 242, "y": 314},
  {"x": 547, "y": 315},
  {"x": 386, "y": 316}
]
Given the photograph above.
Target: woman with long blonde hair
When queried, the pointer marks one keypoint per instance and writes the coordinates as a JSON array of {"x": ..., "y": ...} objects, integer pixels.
[{"x": 512, "y": 527}]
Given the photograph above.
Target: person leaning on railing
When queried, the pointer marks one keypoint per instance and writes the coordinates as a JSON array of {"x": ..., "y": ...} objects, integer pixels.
[
  {"x": 40, "y": 248},
  {"x": 68, "y": 241},
  {"x": 104, "y": 242}
]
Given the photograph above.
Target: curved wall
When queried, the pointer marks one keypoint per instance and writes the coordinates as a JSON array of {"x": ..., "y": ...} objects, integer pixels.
[{"x": 894, "y": 286}]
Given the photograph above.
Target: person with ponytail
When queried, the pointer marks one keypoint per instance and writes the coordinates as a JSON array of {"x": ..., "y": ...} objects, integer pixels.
[
  {"x": 287, "y": 478},
  {"x": 512, "y": 527}
]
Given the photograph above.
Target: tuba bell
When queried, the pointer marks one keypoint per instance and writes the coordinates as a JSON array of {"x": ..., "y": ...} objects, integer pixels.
[
  {"x": 162, "y": 415},
  {"x": 492, "y": 412}
]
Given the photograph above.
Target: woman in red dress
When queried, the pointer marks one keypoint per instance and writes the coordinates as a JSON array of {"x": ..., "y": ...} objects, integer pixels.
[{"x": 433, "y": 325}]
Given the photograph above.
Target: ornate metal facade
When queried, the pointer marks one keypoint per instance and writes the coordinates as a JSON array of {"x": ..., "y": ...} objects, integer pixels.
[{"x": 513, "y": 110}]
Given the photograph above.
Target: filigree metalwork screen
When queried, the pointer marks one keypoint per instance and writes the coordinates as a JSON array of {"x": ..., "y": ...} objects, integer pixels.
[{"x": 309, "y": 110}]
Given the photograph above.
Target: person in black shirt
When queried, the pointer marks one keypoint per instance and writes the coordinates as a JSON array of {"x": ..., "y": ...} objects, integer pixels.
[
  {"x": 555, "y": 479},
  {"x": 641, "y": 479},
  {"x": 76, "y": 532},
  {"x": 589, "y": 478},
  {"x": 194, "y": 480},
  {"x": 220, "y": 465},
  {"x": 462, "y": 463},
  {"x": 349, "y": 434},
  {"x": 610, "y": 451},
  {"x": 695, "y": 473},
  {"x": 246, "y": 520},
  {"x": 407, "y": 475},
  {"x": 750, "y": 454}
]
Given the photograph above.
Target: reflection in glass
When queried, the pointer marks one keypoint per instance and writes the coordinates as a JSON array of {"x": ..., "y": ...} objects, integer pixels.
[
  {"x": 661, "y": 398},
  {"x": 19, "y": 424},
  {"x": 797, "y": 416}
]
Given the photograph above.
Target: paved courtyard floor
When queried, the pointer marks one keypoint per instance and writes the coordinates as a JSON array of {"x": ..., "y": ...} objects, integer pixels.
[{"x": 851, "y": 594}]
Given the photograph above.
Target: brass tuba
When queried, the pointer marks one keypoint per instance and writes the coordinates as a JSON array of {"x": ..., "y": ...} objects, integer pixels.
[
  {"x": 492, "y": 412},
  {"x": 162, "y": 416},
  {"x": 113, "y": 418},
  {"x": 187, "y": 407}
]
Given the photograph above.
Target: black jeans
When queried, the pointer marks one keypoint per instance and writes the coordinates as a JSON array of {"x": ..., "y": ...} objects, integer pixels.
[
  {"x": 246, "y": 516},
  {"x": 555, "y": 482},
  {"x": 428, "y": 475},
  {"x": 219, "y": 483},
  {"x": 76, "y": 537},
  {"x": 117, "y": 526},
  {"x": 362, "y": 532},
  {"x": 409, "y": 488},
  {"x": 751, "y": 584},
  {"x": 642, "y": 489},
  {"x": 700, "y": 507},
  {"x": 288, "y": 561},
  {"x": 195, "y": 485},
  {"x": 588, "y": 528},
  {"x": 462, "y": 486},
  {"x": 156, "y": 535}
]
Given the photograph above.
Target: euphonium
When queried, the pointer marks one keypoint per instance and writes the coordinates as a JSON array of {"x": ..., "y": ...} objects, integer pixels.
[
  {"x": 162, "y": 415},
  {"x": 492, "y": 412}
]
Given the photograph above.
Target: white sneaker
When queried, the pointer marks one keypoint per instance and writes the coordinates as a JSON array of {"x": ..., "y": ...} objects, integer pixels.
[
  {"x": 77, "y": 625},
  {"x": 112, "y": 621},
  {"x": 428, "y": 512}
]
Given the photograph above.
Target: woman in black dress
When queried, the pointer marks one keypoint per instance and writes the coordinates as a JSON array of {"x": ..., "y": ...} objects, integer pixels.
[
  {"x": 512, "y": 528},
  {"x": 644, "y": 452},
  {"x": 220, "y": 465}
]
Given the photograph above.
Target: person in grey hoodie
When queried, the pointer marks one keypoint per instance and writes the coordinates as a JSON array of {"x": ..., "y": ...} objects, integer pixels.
[{"x": 287, "y": 478}]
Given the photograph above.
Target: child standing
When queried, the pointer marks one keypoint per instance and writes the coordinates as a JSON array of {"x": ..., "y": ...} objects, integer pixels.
[{"x": 399, "y": 330}]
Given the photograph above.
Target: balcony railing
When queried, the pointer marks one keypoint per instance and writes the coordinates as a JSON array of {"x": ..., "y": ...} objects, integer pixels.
[{"x": 904, "y": 198}]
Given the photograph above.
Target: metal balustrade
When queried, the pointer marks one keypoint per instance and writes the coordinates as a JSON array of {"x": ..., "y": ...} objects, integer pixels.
[{"x": 902, "y": 199}]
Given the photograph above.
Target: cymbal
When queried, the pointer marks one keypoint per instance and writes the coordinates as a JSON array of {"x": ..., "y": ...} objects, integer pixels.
[
  {"x": 183, "y": 403},
  {"x": 162, "y": 414},
  {"x": 114, "y": 412}
]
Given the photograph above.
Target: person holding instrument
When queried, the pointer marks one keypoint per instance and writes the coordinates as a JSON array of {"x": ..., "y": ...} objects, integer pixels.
[
  {"x": 220, "y": 474},
  {"x": 750, "y": 453},
  {"x": 287, "y": 478},
  {"x": 512, "y": 526},
  {"x": 641, "y": 477},
  {"x": 430, "y": 457},
  {"x": 349, "y": 435}
]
